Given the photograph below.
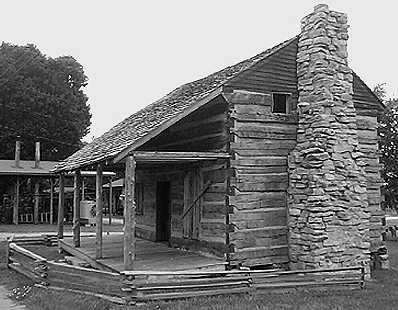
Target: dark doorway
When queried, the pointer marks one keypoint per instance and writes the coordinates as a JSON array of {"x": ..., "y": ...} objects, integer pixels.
[{"x": 163, "y": 211}]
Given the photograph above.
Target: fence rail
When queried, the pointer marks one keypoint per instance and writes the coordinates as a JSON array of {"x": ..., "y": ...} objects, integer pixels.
[{"x": 136, "y": 286}]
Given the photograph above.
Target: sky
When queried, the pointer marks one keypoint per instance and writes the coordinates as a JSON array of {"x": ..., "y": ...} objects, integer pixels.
[{"x": 135, "y": 52}]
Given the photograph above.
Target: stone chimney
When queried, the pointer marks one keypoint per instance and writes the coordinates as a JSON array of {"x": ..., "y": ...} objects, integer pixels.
[{"x": 327, "y": 201}]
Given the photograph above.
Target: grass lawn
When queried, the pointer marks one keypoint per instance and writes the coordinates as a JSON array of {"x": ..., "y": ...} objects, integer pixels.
[{"x": 380, "y": 293}]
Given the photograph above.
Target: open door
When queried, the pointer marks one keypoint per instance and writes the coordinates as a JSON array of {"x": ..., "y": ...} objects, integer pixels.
[{"x": 163, "y": 221}]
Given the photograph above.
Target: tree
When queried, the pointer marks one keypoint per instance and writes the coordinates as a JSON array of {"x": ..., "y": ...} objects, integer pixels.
[
  {"x": 41, "y": 99},
  {"x": 389, "y": 146}
]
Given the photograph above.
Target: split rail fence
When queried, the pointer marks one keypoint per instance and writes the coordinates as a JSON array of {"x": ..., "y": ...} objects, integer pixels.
[{"x": 139, "y": 286}]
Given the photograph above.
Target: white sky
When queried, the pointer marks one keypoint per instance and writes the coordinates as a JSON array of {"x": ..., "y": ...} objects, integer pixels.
[{"x": 134, "y": 52}]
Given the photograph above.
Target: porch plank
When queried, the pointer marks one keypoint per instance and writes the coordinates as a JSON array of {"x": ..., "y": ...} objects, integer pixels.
[{"x": 149, "y": 255}]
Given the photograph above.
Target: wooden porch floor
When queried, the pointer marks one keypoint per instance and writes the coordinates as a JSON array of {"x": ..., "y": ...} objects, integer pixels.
[{"x": 154, "y": 256}]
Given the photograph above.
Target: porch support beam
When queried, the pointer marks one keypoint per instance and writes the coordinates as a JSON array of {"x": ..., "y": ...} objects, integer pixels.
[
  {"x": 51, "y": 201},
  {"x": 76, "y": 209},
  {"x": 61, "y": 202},
  {"x": 83, "y": 189},
  {"x": 110, "y": 204},
  {"x": 129, "y": 215},
  {"x": 99, "y": 210},
  {"x": 16, "y": 201},
  {"x": 149, "y": 156},
  {"x": 36, "y": 204}
]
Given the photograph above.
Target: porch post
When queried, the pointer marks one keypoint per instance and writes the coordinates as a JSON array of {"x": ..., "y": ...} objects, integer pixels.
[
  {"x": 129, "y": 215},
  {"x": 110, "y": 204},
  {"x": 83, "y": 189},
  {"x": 76, "y": 209},
  {"x": 36, "y": 205},
  {"x": 98, "y": 216},
  {"x": 51, "y": 201},
  {"x": 61, "y": 202},
  {"x": 16, "y": 202}
]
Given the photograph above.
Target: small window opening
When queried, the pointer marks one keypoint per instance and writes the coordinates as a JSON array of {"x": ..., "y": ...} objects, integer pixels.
[{"x": 280, "y": 103}]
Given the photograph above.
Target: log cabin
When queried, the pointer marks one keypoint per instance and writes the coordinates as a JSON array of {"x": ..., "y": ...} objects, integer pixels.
[{"x": 273, "y": 161}]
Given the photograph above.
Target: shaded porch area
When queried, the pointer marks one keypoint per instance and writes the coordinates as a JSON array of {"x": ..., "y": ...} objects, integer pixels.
[
  {"x": 175, "y": 198},
  {"x": 149, "y": 255}
]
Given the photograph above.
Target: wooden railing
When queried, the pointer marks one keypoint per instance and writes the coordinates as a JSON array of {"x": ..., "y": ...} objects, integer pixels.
[
  {"x": 134, "y": 286},
  {"x": 146, "y": 285},
  {"x": 60, "y": 276}
]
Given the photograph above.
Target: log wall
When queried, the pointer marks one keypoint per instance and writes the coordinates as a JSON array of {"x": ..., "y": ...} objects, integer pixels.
[
  {"x": 203, "y": 130},
  {"x": 260, "y": 144},
  {"x": 368, "y": 109},
  {"x": 368, "y": 145}
]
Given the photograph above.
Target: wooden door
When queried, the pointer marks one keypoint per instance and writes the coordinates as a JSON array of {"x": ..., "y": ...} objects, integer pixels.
[
  {"x": 192, "y": 186},
  {"x": 163, "y": 220}
]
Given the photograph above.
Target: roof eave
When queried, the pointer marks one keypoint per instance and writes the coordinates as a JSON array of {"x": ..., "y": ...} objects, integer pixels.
[{"x": 156, "y": 131}]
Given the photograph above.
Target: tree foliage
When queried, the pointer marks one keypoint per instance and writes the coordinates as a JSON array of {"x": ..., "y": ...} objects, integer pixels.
[
  {"x": 388, "y": 131},
  {"x": 41, "y": 99}
]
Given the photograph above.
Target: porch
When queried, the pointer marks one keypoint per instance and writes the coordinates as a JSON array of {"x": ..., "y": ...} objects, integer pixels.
[
  {"x": 177, "y": 198},
  {"x": 149, "y": 255}
]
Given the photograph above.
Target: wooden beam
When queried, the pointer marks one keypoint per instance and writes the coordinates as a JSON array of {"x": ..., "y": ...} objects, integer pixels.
[
  {"x": 76, "y": 209},
  {"x": 68, "y": 248},
  {"x": 129, "y": 215},
  {"x": 187, "y": 223},
  {"x": 267, "y": 272},
  {"x": 110, "y": 204},
  {"x": 178, "y": 156},
  {"x": 197, "y": 209},
  {"x": 51, "y": 201},
  {"x": 37, "y": 155},
  {"x": 16, "y": 202},
  {"x": 61, "y": 202},
  {"x": 167, "y": 124},
  {"x": 99, "y": 209},
  {"x": 17, "y": 153},
  {"x": 37, "y": 201},
  {"x": 25, "y": 252},
  {"x": 83, "y": 189}
]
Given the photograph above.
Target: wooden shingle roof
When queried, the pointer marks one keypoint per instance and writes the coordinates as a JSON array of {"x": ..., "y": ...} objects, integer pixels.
[
  {"x": 135, "y": 127},
  {"x": 151, "y": 120}
]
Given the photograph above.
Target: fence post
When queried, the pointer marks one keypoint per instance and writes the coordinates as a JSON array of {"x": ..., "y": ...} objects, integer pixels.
[
  {"x": 362, "y": 285},
  {"x": 7, "y": 252}
]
